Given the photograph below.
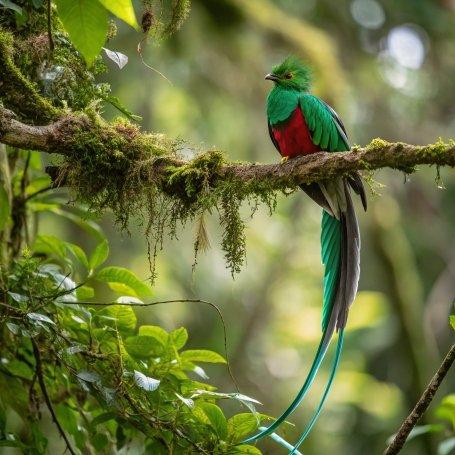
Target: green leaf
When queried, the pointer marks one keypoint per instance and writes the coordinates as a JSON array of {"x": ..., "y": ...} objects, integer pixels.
[
  {"x": 68, "y": 418},
  {"x": 117, "y": 57},
  {"x": 100, "y": 441},
  {"x": 14, "y": 395},
  {"x": 51, "y": 244},
  {"x": 114, "y": 101},
  {"x": 145, "y": 382},
  {"x": 100, "y": 255},
  {"x": 123, "y": 276},
  {"x": 10, "y": 5},
  {"x": 123, "y": 290},
  {"x": 88, "y": 376},
  {"x": 420, "y": 430},
  {"x": 78, "y": 253},
  {"x": 19, "y": 298},
  {"x": 42, "y": 206},
  {"x": 187, "y": 401},
  {"x": 13, "y": 443},
  {"x": 199, "y": 371},
  {"x": 202, "y": 355},
  {"x": 452, "y": 321},
  {"x": 84, "y": 293},
  {"x": 120, "y": 316},
  {"x": 245, "y": 400},
  {"x": 123, "y": 9},
  {"x": 240, "y": 425},
  {"x": 104, "y": 417},
  {"x": 143, "y": 347},
  {"x": 38, "y": 441},
  {"x": 179, "y": 337},
  {"x": 87, "y": 225},
  {"x": 128, "y": 299},
  {"x": 246, "y": 450},
  {"x": 446, "y": 447},
  {"x": 154, "y": 331},
  {"x": 216, "y": 418},
  {"x": 5, "y": 207},
  {"x": 86, "y": 22},
  {"x": 13, "y": 328},
  {"x": 40, "y": 317}
]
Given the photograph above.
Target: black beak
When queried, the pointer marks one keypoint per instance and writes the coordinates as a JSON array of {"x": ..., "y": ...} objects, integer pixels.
[{"x": 272, "y": 77}]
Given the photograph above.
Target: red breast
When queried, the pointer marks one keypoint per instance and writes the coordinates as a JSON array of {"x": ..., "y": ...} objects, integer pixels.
[{"x": 293, "y": 136}]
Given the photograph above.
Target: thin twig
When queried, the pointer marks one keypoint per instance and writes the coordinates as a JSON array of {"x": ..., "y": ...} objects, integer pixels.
[
  {"x": 422, "y": 405},
  {"x": 39, "y": 373},
  {"x": 36, "y": 193},
  {"x": 49, "y": 26},
  {"x": 24, "y": 179}
]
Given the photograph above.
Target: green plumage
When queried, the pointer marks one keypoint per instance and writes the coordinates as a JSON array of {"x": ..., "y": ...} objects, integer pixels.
[
  {"x": 330, "y": 253},
  {"x": 321, "y": 123},
  {"x": 281, "y": 103}
]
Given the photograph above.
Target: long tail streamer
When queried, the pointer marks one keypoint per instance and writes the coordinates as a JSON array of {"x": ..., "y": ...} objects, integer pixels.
[
  {"x": 322, "y": 349},
  {"x": 326, "y": 392}
]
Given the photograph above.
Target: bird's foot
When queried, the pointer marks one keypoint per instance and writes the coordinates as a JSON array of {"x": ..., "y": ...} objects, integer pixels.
[{"x": 284, "y": 159}]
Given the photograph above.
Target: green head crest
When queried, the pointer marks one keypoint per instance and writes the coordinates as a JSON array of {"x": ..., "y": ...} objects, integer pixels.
[{"x": 291, "y": 74}]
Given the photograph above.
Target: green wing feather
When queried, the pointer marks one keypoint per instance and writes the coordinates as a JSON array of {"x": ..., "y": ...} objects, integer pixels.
[
  {"x": 330, "y": 252},
  {"x": 324, "y": 124}
]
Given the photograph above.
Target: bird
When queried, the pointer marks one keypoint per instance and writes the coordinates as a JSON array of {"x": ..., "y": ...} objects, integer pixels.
[{"x": 300, "y": 123}]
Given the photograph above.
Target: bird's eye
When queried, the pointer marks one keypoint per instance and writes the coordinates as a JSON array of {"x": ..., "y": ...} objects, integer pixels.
[{"x": 288, "y": 76}]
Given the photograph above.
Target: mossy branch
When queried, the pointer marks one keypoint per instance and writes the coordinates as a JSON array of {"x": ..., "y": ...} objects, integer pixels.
[
  {"x": 115, "y": 166},
  {"x": 74, "y": 136}
]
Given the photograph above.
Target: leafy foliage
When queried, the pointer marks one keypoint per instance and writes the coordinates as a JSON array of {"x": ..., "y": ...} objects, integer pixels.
[{"x": 107, "y": 380}]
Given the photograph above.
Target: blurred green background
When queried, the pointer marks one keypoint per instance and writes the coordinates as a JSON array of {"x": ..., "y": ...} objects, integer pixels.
[{"x": 388, "y": 69}]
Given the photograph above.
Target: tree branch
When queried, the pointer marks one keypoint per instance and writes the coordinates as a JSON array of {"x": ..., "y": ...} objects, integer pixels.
[
  {"x": 39, "y": 373},
  {"x": 422, "y": 405},
  {"x": 71, "y": 134}
]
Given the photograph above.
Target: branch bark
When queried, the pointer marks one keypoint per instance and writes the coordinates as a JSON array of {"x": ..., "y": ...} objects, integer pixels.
[
  {"x": 66, "y": 137},
  {"x": 422, "y": 405}
]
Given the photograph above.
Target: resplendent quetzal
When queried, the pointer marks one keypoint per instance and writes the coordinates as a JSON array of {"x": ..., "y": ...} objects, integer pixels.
[{"x": 300, "y": 124}]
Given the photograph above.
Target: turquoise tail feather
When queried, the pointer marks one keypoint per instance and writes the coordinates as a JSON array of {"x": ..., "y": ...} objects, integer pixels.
[
  {"x": 330, "y": 235},
  {"x": 277, "y": 438},
  {"x": 322, "y": 349},
  {"x": 340, "y": 249},
  {"x": 326, "y": 392}
]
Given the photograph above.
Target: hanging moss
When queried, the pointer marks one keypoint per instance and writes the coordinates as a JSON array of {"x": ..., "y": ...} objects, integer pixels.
[{"x": 161, "y": 19}]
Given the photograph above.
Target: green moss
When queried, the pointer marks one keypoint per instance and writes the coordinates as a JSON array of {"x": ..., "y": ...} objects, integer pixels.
[
  {"x": 18, "y": 93},
  {"x": 436, "y": 150},
  {"x": 377, "y": 144},
  {"x": 189, "y": 180},
  {"x": 55, "y": 72},
  {"x": 162, "y": 19}
]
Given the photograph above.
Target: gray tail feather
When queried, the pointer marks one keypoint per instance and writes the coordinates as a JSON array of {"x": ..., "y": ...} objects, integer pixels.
[
  {"x": 350, "y": 253},
  {"x": 350, "y": 263},
  {"x": 355, "y": 182}
]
